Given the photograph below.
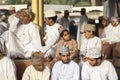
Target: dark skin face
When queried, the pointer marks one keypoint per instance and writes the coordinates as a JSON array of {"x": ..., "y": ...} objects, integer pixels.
[
  {"x": 66, "y": 36},
  {"x": 65, "y": 58},
  {"x": 39, "y": 66},
  {"x": 94, "y": 61}
]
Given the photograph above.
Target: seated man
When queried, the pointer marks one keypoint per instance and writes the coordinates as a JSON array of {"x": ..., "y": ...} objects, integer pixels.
[
  {"x": 7, "y": 68},
  {"x": 65, "y": 69},
  {"x": 37, "y": 71},
  {"x": 23, "y": 36},
  {"x": 95, "y": 68},
  {"x": 52, "y": 34},
  {"x": 111, "y": 37}
]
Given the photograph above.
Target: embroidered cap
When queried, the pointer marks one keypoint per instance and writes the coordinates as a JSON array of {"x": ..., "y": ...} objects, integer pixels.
[
  {"x": 11, "y": 8},
  {"x": 49, "y": 13},
  {"x": 89, "y": 27},
  {"x": 64, "y": 50},
  {"x": 94, "y": 53}
]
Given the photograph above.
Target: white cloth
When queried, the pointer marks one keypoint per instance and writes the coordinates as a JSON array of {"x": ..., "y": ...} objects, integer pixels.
[
  {"x": 3, "y": 27},
  {"x": 64, "y": 22},
  {"x": 32, "y": 74},
  {"x": 61, "y": 71},
  {"x": 83, "y": 20},
  {"x": 111, "y": 34},
  {"x": 87, "y": 44},
  {"x": 7, "y": 69},
  {"x": 105, "y": 71},
  {"x": 22, "y": 40},
  {"x": 52, "y": 36}
]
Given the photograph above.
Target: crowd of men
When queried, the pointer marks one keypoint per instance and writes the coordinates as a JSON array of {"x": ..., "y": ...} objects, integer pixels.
[{"x": 20, "y": 38}]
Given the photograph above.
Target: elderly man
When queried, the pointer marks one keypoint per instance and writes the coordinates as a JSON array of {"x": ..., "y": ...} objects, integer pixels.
[
  {"x": 95, "y": 68},
  {"x": 7, "y": 68},
  {"x": 37, "y": 71},
  {"x": 111, "y": 37},
  {"x": 22, "y": 39},
  {"x": 65, "y": 69}
]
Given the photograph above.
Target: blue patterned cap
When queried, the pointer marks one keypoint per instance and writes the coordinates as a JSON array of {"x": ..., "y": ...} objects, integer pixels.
[{"x": 64, "y": 50}]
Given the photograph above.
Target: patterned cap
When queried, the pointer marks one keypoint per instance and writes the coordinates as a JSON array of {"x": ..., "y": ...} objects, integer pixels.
[
  {"x": 94, "y": 53},
  {"x": 49, "y": 13},
  {"x": 64, "y": 50},
  {"x": 11, "y": 8},
  {"x": 89, "y": 27}
]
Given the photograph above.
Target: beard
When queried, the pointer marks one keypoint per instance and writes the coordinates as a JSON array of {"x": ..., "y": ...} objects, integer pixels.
[{"x": 66, "y": 62}]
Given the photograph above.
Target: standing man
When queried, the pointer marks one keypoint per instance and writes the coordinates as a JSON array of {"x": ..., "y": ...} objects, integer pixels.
[
  {"x": 65, "y": 69},
  {"x": 12, "y": 12},
  {"x": 95, "y": 68},
  {"x": 64, "y": 21},
  {"x": 83, "y": 20},
  {"x": 7, "y": 68}
]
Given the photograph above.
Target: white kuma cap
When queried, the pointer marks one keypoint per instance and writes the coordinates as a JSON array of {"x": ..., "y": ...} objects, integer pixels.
[
  {"x": 64, "y": 50},
  {"x": 49, "y": 13},
  {"x": 94, "y": 53}
]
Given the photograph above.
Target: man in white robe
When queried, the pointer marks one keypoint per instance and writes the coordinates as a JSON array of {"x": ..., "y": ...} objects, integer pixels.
[
  {"x": 22, "y": 39},
  {"x": 65, "y": 69},
  {"x": 36, "y": 71},
  {"x": 110, "y": 36},
  {"x": 52, "y": 33},
  {"x": 7, "y": 68},
  {"x": 95, "y": 68}
]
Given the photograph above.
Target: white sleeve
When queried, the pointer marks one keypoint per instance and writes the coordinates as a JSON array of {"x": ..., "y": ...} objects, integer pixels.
[
  {"x": 84, "y": 73},
  {"x": 54, "y": 40},
  {"x": 11, "y": 70},
  {"x": 54, "y": 75},
  {"x": 47, "y": 74},
  {"x": 26, "y": 75},
  {"x": 112, "y": 75},
  {"x": 77, "y": 73},
  {"x": 13, "y": 24}
]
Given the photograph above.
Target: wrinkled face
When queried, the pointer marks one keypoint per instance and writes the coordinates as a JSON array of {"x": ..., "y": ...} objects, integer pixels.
[
  {"x": 66, "y": 36},
  {"x": 88, "y": 34},
  {"x": 114, "y": 24},
  {"x": 39, "y": 66},
  {"x": 92, "y": 62},
  {"x": 65, "y": 58},
  {"x": 25, "y": 18}
]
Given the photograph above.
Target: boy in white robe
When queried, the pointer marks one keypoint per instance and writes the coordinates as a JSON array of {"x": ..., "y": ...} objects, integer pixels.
[
  {"x": 95, "y": 68},
  {"x": 52, "y": 33},
  {"x": 7, "y": 68},
  {"x": 36, "y": 71},
  {"x": 65, "y": 69},
  {"x": 90, "y": 41}
]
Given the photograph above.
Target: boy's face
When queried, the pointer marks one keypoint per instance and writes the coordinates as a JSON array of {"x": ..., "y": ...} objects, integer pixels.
[
  {"x": 47, "y": 21},
  {"x": 65, "y": 58},
  {"x": 66, "y": 36},
  {"x": 88, "y": 34}
]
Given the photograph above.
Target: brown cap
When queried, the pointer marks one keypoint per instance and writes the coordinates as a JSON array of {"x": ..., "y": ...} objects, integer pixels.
[
  {"x": 11, "y": 8},
  {"x": 89, "y": 27}
]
